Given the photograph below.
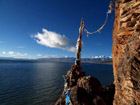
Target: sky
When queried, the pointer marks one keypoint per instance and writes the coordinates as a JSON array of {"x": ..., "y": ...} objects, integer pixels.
[{"x": 50, "y": 28}]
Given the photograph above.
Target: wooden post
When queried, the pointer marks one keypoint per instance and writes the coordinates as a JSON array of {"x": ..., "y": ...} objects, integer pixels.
[{"x": 79, "y": 45}]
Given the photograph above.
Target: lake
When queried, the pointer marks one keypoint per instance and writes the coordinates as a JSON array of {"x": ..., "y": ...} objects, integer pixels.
[{"x": 41, "y": 83}]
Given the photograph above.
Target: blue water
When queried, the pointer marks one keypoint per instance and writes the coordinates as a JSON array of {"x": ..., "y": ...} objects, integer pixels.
[{"x": 41, "y": 83}]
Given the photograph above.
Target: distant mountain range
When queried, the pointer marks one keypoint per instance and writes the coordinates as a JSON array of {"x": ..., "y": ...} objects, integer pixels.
[
  {"x": 98, "y": 59},
  {"x": 58, "y": 59}
]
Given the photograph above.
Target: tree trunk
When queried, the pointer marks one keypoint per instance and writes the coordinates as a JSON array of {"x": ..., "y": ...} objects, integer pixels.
[{"x": 126, "y": 52}]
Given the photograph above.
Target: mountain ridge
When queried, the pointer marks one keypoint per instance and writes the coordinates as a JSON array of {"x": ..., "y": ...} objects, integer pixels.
[{"x": 59, "y": 59}]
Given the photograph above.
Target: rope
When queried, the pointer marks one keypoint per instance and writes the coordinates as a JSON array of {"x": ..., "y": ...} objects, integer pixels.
[
  {"x": 107, "y": 14},
  {"x": 67, "y": 89}
]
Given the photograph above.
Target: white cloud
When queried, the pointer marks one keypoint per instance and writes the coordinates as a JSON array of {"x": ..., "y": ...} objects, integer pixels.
[
  {"x": 48, "y": 56},
  {"x": 20, "y": 54},
  {"x": 3, "y": 52},
  {"x": 14, "y": 54},
  {"x": 11, "y": 53},
  {"x": 39, "y": 55},
  {"x": 54, "y": 40},
  {"x": 51, "y": 56}
]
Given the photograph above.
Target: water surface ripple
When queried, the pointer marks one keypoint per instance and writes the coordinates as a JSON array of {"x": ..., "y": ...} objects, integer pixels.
[{"x": 41, "y": 83}]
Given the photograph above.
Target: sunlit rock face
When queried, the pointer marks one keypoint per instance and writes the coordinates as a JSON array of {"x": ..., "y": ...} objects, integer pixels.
[{"x": 126, "y": 52}]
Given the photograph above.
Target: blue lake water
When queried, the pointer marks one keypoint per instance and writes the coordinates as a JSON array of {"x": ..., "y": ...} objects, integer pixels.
[{"x": 41, "y": 83}]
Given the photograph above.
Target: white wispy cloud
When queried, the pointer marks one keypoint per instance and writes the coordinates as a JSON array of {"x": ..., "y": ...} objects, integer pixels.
[
  {"x": 47, "y": 56},
  {"x": 3, "y": 52},
  {"x": 39, "y": 55},
  {"x": 51, "y": 56},
  {"x": 11, "y": 53},
  {"x": 14, "y": 54},
  {"x": 54, "y": 40}
]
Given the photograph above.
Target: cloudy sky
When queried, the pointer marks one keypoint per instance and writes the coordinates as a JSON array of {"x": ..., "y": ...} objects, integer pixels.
[{"x": 45, "y": 28}]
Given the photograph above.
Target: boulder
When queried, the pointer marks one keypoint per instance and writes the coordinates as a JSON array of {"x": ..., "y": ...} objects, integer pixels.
[
  {"x": 90, "y": 84},
  {"x": 84, "y": 90}
]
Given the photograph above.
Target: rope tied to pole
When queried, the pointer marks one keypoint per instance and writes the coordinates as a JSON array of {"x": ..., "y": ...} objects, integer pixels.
[{"x": 107, "y": 14}]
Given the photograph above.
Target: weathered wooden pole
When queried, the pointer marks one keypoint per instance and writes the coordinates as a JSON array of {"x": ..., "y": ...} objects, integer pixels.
[{"x": 79, "y": 45}]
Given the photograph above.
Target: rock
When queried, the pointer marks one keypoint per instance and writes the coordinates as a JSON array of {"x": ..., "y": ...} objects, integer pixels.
[
  {"x": 126, "y": 52},
  {"x": 60, "y": 101},
  {"x": 108, "y": 94},
  {"x": 74, "y": 73},
  {"x": 98, "y": 101},
  {"x": 84, "y": 90},
  {"x": 87, "y": 92},
  {"x": 90, "y": 84}
]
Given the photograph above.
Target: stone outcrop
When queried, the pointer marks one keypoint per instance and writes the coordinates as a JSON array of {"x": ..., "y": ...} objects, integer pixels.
[
  {"x": 126, "y": 52},
  {"x": 85, "y": 90}
]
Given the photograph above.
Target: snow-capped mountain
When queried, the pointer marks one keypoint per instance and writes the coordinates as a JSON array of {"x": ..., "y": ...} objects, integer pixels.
[
  {"x": 98, "y": 59},
  {"x": 60, "y": 59},
  {"x": 72, "y": 59}
]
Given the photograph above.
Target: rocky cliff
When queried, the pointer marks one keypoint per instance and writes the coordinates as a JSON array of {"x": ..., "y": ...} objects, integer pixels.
[{"x": 126, "y": 52}]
